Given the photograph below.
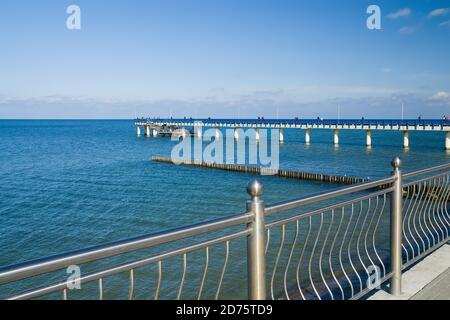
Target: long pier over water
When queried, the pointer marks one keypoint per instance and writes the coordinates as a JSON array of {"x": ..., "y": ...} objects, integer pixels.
[{"x": 153, "y": 127}]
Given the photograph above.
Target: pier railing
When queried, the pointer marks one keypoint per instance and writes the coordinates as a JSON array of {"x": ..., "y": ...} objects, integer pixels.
[
  {"x": 307, "y": 122},
  {"x": 340, "y": 244}
]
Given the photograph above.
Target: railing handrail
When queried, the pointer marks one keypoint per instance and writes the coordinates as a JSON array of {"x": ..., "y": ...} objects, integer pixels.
[
  {"x": 321, "y": 196},
  {"x": 300, "y": 121},
  {"x": 426, "y": 170},
  {"x": 56, "y": 262}
]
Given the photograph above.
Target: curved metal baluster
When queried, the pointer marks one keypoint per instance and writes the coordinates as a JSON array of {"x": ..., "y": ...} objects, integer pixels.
[
  {"x": 406, "y": 218},
  {"x": 412, "y": 220},
  {"x": 297, "y": 272},
  {"x": 204, "y": 273},
  {"x": 350, "y": 245},
  {"x": 321, "y": 254},
  {"x": 267, "y": 241},
  {"x": 183, "y": 276},
  {"x": 227, "y": 244},
  {"x": 405, "y": 215},
  {"x": 421, "y": 216},
  {"x": 440, "y": 211},
  {"x": 342, "y": 246},
  {"x": 445, "y": 200},
  {"x": 426, "y": 213},
  {"x": 312, "y": 256},
  {"x": 331, "y": 254},
  {"x": 289, "y": 260},
  {"x": 272, "y": 280},
  {"x": 360, "y": 234},
  {"x": 158, "y": 287},
  {"x": 100, "y": 289},
  {"x": 434, "y": 211},
  {"x": 415, "y": 218},
  {"x": 375, "y": 232},
  {"x": 368, "y": 231},
  {"x": 131, "y": 291}
]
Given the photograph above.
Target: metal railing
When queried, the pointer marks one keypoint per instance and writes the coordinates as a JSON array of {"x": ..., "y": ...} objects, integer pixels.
[
  {"x": 340, "y": 244},
  {"x": 307, "y": 122}
]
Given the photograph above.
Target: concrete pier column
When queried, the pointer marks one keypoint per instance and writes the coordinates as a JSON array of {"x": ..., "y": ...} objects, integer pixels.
[
  {"x": 406, "y": 139},
  {"x": 369, "y": 138},
  {"x": 184, "y": 132},
  {"x": 154, "y": 132},
  {"x": 336, "y": 136},
  {"x": 236, "y": 133},
  {"x": 138, "y": 130},
  {"x": 281, "y": 135},
  {"x": 147, "y": 131},
  {"x": 257, "y": 135},
  {"x": 198, "y": 132},
  {"x": 308, "y": 136},
  {"x": 447, "y": 140}
]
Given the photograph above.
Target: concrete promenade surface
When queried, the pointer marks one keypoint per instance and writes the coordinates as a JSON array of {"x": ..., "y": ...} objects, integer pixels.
[{"x": 429, "y": 279}]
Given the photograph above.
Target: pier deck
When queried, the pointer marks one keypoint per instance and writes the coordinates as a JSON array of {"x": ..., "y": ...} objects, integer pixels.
[{"x": 369, "y": 125}]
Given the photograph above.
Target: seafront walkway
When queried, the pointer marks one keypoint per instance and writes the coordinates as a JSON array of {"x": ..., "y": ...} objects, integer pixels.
[{"x": 427, "y": 280}]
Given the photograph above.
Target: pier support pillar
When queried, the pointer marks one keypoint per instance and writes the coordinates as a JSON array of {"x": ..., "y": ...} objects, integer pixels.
[
  {"x": 308, "y": 136},
  {"x": 198, "y": 132},
  {"x": 154, "y": 132},
  {"x": 406, "y": 139},
  {"x": 369, "y": 138},
  {"x": 336, "y": 136},
  {"x": 281, "y": 135},
  {"x": 236, "y": 134},
  {"x": 147, "y": 131},
  {"x": 138, "y": 130},
  {"x": 447, "y": 140},
  {"x": 184, "y": 132},
  {"x": 257, "y": 135}
]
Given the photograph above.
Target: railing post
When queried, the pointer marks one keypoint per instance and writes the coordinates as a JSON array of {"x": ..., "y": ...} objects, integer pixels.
[
  {"x": 396, "y": 228},
  {"x": 256, "y": 242}
]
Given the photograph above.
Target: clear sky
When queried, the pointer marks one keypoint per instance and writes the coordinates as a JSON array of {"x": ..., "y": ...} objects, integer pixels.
[{"x": 224, "y": 58}]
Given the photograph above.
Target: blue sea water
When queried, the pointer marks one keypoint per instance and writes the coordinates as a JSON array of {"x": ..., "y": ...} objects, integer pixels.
[{"x": 70, "y": 184}]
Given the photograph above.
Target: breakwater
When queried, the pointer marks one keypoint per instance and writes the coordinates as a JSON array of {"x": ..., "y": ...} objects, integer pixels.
[{"x": 264, "y": 171}]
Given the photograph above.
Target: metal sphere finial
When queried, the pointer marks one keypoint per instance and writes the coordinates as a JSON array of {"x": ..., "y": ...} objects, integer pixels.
[
  {"x": 255, "y": 188},
  {"x": 396, "y": 163}
]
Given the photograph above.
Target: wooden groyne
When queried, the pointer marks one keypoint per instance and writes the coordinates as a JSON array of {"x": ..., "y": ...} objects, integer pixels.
[{"x": 264, "y": 171}]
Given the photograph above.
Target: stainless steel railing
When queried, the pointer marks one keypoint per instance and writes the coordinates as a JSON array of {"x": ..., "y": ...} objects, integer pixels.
[{"x": 340, "y": 244}]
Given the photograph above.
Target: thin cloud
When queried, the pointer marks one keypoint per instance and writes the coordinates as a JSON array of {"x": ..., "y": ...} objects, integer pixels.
[
  {"x": 439, "y": 12},
  {"x": 407, "y": 30},
  {"x": 405, "y": 12},
  {"x": 445, "y": 24},
  {"x": 386, "y": 70},
  {"x": 440, "y": 97}
]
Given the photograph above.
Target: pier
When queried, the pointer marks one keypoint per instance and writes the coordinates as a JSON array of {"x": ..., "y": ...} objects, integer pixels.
[{"x": 168, "y": 126}]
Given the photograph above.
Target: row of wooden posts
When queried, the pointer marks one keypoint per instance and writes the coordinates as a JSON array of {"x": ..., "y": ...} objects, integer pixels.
[{"x": 264, "y": 171}]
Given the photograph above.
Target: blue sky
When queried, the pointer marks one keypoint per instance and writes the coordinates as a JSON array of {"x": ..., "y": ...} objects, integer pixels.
[{"x": 224, "y": 58}]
